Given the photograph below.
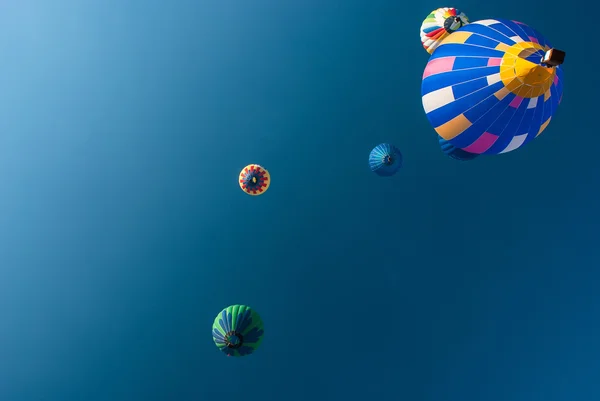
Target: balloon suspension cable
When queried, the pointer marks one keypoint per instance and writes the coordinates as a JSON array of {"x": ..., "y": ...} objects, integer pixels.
[{"x": 234, "y": 340}]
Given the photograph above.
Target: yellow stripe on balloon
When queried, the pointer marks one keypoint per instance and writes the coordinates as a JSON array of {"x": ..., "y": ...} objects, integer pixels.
[
  {"x": 454, "y": 127},
  {"x": 543, "y": 127},
  {"x": 458, "y": 37}
]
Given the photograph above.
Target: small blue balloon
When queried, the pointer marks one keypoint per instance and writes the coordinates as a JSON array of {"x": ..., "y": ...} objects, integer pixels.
[{"x": 385, "y": 160}]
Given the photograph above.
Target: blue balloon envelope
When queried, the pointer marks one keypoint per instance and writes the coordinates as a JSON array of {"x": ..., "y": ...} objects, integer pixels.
[
  {"x": 492, "y": 86},
  {"x": 385, "y": 160},
  {"x": 455, "y": 153}
]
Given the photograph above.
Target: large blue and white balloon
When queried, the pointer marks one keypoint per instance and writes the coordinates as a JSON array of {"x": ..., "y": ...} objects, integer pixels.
[{"x": 492, "y": 86}]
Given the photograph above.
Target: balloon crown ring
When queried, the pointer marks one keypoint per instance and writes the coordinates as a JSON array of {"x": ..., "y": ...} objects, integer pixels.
[
  {"x": 521, "y": 75},
  {"x": 234, "y": 340}
]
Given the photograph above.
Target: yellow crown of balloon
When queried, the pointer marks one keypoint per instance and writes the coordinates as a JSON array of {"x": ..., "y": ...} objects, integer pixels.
[{"x": 523, "y": 77}]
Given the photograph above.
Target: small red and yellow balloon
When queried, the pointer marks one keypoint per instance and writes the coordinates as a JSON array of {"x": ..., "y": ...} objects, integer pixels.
[{"x": 254, "y": 179}]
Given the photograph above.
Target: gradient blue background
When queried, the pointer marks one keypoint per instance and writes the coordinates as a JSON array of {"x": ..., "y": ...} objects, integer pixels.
[{"x": 123, "y": 231}]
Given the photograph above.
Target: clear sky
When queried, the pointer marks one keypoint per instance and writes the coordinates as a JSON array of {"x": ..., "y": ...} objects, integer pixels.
[{"x": 123, "y": 231}]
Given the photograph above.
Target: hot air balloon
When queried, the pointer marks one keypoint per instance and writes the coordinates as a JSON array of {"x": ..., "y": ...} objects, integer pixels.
[
  {"x": 439, "y": 24},
  {"x": 237, "y": 330},
  {"x": 254, "y": 179},
  {"x": 492, "y": 86},
  {"x": 453, "y": 152},
  {"x": 385, "y": 160}
]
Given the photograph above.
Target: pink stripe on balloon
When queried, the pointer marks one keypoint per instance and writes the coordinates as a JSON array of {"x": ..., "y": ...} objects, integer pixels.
[
  {"x": 534, "y": 40},
  {"x": 516, "y": 102},
  {"x": 481, "y": 144},
  {"x": 438, "y": 65},
  {"x": 494, "y": 61},
  {"x": 555, "y": 79}
]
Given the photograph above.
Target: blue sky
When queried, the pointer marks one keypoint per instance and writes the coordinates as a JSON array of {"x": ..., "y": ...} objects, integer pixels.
[{"x": 123, "y": 232}]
